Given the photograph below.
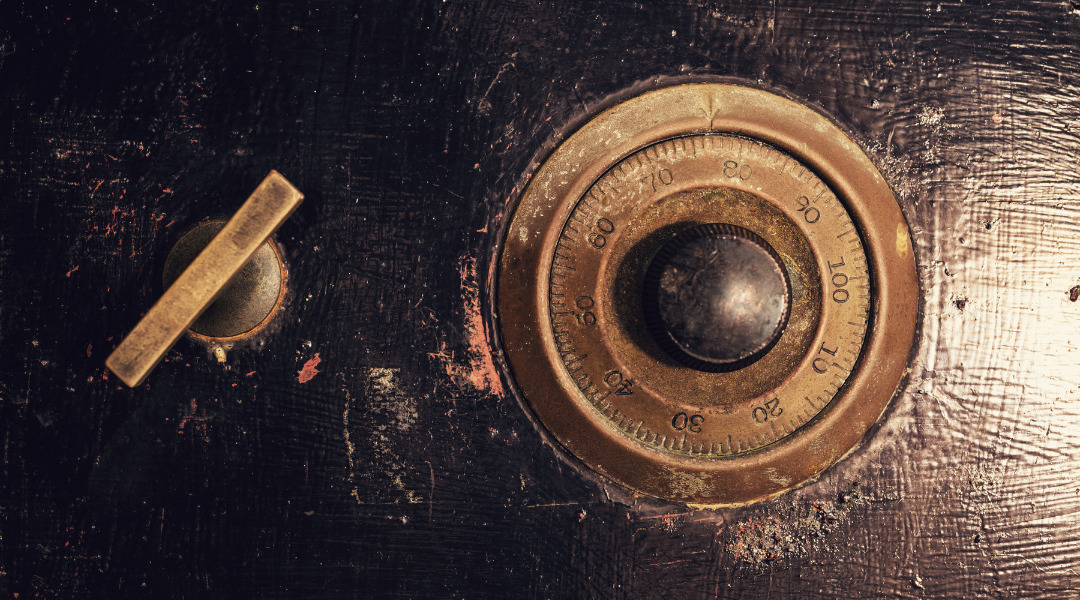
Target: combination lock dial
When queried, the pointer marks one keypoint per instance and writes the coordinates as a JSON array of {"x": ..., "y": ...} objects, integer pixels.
[{"x": 708, "y": 294}]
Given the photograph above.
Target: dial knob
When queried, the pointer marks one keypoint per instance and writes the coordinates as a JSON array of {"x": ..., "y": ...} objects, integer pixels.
[{"x": 716, "y": 297}]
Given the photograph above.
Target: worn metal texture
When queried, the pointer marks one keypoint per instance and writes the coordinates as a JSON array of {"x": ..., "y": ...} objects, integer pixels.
[{"x": 367, "y": 445}]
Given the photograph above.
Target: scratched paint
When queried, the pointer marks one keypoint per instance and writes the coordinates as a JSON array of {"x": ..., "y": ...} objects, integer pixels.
[
  {"x": 194, "y": 420},
  {"x": 374, "y": 424},
  {"x": 473, "y": 369},
  {"x": 411, "y": 126}
]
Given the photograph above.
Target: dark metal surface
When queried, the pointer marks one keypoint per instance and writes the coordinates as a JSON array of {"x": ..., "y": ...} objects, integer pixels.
[{"x": 368, "y": 448}]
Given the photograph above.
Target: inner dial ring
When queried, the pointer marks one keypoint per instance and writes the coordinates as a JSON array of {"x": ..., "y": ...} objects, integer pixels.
[{"x": 595, "y": 282}]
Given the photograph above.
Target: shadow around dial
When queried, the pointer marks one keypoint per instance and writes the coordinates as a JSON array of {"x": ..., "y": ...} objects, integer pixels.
[{"x": 628, "y": 296}]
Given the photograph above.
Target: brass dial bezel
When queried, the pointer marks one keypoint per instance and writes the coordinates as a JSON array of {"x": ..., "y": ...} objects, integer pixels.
[{"x": 583, "y": 158}]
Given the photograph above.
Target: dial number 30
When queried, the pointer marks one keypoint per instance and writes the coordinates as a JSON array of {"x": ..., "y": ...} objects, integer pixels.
[{"x": 691, "y": 423}]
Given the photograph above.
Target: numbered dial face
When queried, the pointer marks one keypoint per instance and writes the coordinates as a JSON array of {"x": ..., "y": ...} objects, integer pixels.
[
  {"x": 707, "y": 294},
  {"x": 597, "y": 320}
]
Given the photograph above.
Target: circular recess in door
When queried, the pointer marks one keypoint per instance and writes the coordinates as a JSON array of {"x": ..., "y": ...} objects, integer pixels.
[{"x": 708, "y": 294}]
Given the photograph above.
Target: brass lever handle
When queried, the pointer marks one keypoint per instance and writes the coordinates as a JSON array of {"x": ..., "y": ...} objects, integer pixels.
[{"x": 196, "y": 288}]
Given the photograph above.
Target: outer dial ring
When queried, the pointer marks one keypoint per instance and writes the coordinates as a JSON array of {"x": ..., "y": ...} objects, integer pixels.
[{"x": 547, "y": 203}]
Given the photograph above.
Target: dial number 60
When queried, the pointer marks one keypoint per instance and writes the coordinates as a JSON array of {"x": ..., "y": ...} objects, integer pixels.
[{"x": 605, "y": 227}]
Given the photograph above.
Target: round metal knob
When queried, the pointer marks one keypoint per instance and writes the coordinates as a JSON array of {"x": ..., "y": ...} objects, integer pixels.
[
  {"x": 244, "y": 303},
  {"x": 716, "y": 297}
]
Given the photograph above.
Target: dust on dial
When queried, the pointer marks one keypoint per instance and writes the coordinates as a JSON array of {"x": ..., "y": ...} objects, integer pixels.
[{"x": 598, "y": 315}]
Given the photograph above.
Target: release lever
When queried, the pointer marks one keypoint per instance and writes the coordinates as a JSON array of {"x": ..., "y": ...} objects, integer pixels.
[{"x": 199, "y": 284}]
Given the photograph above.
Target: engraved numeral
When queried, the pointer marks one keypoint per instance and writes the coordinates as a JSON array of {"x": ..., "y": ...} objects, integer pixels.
[
  {"x": 621, "y": 385},
  {"x": 605, "y": 227},
  {"x": 839, "y": 280},
  {"x": 771, "y": 409},
  {"x": 809, "y": 213},
  {"x": 691, "y": 423},
  {"x": 586, "y": 316},
  {"x": 664, "y": 176}
]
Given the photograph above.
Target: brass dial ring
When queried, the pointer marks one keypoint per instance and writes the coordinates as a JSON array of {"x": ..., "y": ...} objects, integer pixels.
[{"x": 595, "y": 214}]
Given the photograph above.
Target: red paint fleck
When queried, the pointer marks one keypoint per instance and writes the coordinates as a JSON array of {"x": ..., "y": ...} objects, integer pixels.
[
  {"x": 89, "y": 349},
  {"x": 249, "y": 374},
  {"x": 511, "y": 196},
  {"x": 199, "y": 421},
  {"x": 73, "y": 269},
  {"x": 309, "y": 371},
  {"x": 997, "y": 118}
]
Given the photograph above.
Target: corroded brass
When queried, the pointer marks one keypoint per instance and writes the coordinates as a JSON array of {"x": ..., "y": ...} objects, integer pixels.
[
  {"x": 197, "y": 287},
  {"x": 247, "y": 303},
  {"x": 594, "y": 215}
]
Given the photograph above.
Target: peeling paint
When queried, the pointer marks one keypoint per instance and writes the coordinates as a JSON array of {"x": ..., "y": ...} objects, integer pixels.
[
  {"x": 931, "y": 116},
  {"x": 903, "y": 242},
  {"x": 476, "y": 369},
  {"x": 309, "y": 371}
]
